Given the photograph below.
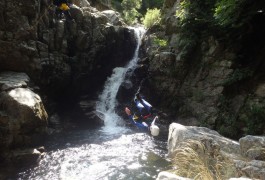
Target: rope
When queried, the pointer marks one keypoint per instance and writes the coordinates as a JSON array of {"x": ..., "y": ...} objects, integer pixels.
[{"x": 140, "y": 85}]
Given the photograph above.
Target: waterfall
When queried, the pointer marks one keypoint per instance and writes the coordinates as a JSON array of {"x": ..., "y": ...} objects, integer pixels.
[
  {"x": 110, "y": 153},
  {"x": 107, "y": 99}
]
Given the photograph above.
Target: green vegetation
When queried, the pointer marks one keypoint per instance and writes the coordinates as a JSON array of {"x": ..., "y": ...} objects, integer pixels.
[
  {"x": 194, "y": 161},
  {"x": 238, "y": 75},
  {"x": 133, "y": 10},
  {"x": 160, "y": 42},
  {"x": 182, "y": 10},
  {"x": 254, "y": 119},
  {"x": 151, "y": 17},
  {"x": 235, "y": 13},
  {"x": 195, "y": 14},
  {"x": 218, "y": 13},
  {"x": 224, "y": 11},
  {"x": 130, "y": 10}
]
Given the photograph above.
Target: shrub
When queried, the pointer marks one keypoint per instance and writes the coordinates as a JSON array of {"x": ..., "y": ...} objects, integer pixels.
[
  {"x": 130, "y": 16},
  {"x": 182, "y": 10},
  {"x": 151, "y": 17},
  {"x": 130, "y": 10},
  {"x": 255, "y": 119},
  {"x": 160, "y": 42}
]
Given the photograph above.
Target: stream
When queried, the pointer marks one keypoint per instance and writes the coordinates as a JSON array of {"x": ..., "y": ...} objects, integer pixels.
[{"x": 113, "y": 152}]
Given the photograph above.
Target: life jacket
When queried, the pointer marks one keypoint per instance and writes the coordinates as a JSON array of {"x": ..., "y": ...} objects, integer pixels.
[{"x": 144, "y": 107}]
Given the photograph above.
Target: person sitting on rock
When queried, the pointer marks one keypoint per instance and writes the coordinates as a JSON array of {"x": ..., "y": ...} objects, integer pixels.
[{"x": 62, "y": 8}]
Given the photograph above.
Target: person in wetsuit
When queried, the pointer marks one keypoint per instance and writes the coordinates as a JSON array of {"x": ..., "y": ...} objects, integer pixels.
[{"x": 62, "y": 8}]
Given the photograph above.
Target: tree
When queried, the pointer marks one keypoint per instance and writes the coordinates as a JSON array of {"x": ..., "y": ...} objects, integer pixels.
[{"x": 130, "y": 10}]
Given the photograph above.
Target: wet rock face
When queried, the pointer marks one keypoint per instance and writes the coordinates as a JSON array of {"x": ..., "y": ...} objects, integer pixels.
[
  {"x": 62, "y": 54},
  {"x": 23, "y": 118},
  {"x": 64, "y": 57},
  {"x": 18, "y": 48},
  {"x": 187, "y": 87},
  {"x": 200, "y": 78}
]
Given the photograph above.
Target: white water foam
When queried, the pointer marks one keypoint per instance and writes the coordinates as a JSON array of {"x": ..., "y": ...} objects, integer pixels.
[{"x": 107, "y": 100}]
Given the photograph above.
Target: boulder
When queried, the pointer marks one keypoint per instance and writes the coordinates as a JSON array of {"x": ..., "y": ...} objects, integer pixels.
[
  {"x": 76, "y": 13},
  {"x": 253, "y": 147},
  {"x": 212, "y": 139},
  {"x": 113, "y": 16},
  {"x": 81, "y": 3},
  {"x": 253, "y": 169},
  {"x": 26, "y": 116},
  {"x": 86, "y": 112},
  {"x": 23, "y": 118},
  {"x": 25, "y": 157}
]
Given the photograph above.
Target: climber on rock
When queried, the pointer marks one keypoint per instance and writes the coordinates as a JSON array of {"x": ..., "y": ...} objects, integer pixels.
[{"x": 62, "y": 8}]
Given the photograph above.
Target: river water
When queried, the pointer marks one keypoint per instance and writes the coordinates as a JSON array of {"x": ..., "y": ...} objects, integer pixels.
[{"x": 114, "y": 151}]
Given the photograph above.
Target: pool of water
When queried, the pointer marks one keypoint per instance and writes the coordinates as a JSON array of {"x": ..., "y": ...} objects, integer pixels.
[{"x": 97, "y": 154}]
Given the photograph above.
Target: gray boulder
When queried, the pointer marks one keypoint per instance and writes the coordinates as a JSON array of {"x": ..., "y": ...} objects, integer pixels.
[
  {"x": 241, "y": 154},
  {"x": 23, "y": 118},
  {"x": 81, "y": 3},
  {"x": 212, "y": 139},
  {"x": 114, "y": 17},
  {"x": 169, "y": 176},
  {"x": 253, "y": 147}
]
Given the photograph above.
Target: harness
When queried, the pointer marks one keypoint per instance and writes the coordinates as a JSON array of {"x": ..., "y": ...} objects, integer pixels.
[{"x": 147, "y": 116}]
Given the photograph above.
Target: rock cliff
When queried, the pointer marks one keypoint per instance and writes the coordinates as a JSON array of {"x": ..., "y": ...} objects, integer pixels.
[
  {"x": 206, "y": 74},
  {"x": 58, "y": 53},
  {"x": 57, "y": 57}
]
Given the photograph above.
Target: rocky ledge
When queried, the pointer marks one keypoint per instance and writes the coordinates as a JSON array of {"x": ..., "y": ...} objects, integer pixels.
[
  {"x": 246, "y": 156},
  {"x": 23, "y": 118}
]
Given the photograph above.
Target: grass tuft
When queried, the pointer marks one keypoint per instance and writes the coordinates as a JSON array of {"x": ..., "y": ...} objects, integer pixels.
[{"x": 193, "y": 160}]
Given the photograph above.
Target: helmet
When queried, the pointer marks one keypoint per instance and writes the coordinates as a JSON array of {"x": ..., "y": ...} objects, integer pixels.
[{"x": 154, "y": 130}]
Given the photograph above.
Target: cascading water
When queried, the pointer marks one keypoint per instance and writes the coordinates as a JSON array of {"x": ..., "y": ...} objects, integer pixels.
[
  {"x": 110, "y": 153},
  {"x": 107, "y": 100}
]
